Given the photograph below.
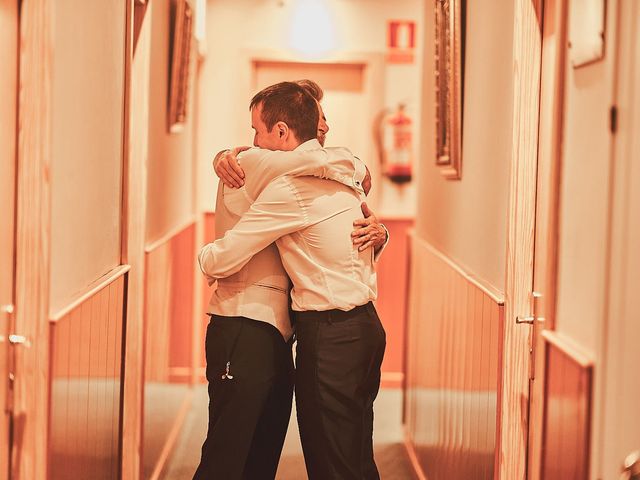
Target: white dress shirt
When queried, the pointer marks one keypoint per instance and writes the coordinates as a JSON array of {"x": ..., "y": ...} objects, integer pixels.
[
  {"x": 310, "y": 219},
  {"x": 259, "y": 289}
]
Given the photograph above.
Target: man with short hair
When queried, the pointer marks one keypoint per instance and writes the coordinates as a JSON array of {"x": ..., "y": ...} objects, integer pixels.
[
  {"x": 368, "y": 231},
  {"x": 340, "y": 338},
  {"x": 248, "y": 348}
]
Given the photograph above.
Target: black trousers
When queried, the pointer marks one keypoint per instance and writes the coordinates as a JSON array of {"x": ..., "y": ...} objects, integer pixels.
[
  {"x": 338, "y": 359},
  {"x": 248, "y": 414}
]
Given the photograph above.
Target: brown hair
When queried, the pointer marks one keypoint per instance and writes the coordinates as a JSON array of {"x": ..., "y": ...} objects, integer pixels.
[
  {"x": 292, "y": 104},
  {"x": 312, "y": 87}
]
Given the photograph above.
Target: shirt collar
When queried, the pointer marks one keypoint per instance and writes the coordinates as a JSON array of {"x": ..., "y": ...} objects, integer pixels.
[{"x": 312, "y": 144}]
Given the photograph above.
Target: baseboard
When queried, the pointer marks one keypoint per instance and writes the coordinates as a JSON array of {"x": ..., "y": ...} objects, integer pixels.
[{"x": 413, "y": 458}]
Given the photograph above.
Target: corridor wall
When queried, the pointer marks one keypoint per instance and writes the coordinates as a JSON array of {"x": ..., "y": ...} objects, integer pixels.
[
  {"x": 584, "y": 227},
  {"x": 458, "y": 261},
  {"x": 171, "y": 331},
  {"x": 170, "y": 170},
  {"x": 87, "y": 126},
  {"x": 87, "y": 281}
]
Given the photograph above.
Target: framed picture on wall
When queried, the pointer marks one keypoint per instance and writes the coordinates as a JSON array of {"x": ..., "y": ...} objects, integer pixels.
[
  {"x": 449, "y": 73},
  {"x": 180, "y": 60}
]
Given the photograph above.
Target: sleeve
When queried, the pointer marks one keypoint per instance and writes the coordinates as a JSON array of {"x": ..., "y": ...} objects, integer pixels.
[
  {"x": 337, "y": 164},
  {"x": 276, "y": 212}
]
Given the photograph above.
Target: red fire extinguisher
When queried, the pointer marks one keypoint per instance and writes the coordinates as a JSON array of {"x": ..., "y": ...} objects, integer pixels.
[{"x": 395, "y": 144}]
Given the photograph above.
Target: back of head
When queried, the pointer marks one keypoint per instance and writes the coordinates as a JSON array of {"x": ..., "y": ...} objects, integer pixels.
[
  {"x": 312, "y": 87},
  {"x": 292, "y": 104}
]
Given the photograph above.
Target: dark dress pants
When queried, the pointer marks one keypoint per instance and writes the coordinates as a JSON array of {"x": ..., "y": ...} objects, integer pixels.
[
  {"x": 248, "y": 414},
  {"x": 338, "y": 359}
]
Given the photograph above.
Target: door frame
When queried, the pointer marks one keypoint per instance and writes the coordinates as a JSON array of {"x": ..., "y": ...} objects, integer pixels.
[
  {"x": 547, "y": 214},
  {"x": 9, "y": 21}
]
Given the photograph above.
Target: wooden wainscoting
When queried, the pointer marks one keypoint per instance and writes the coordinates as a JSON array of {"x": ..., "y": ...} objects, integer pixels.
[
  {"x": 86, "y": 382},
  {"x": 169, "y": 267},
  {"x": 393, "y": 282},
  {"x": 455, "y": 335},
  {"x": 209, "y": 236},
  {"x": 567, "y": 411}
]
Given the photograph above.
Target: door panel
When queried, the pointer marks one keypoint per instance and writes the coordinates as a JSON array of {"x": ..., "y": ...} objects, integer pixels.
[
  {"x": 32, "y": 225},
  {"x": 520, "y": 242},
  {"x": 8, "y": 95}
]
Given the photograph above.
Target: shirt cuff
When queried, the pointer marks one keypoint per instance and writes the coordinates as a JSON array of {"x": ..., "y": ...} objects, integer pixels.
[
  {"x": 360, "y": 171},
  {"x": 376, "y": 254}
]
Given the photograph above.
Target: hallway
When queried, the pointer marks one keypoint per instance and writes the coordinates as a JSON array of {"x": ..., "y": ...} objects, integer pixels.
[
  {"x": 500, "y": 141},
  {"x": 391, "y": 456}
]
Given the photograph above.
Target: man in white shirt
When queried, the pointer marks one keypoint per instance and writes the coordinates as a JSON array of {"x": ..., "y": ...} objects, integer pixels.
[
  {"x": 340, "y": 338},
  {"x": 368, "y": 232},
  {"x": 249, "y": 365}
]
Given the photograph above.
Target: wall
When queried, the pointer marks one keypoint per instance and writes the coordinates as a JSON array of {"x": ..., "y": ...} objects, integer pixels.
[
  {"x": 458, "y": 261},
  {"x": 88, "y": 81},
  {"x": 584, "y": 200},
  {"x": 585, "y": 220},
  {"x": 170, "y": 262},
  {"x": 621, "y": 425},
  {"x": 170, "y": 165},
  {"x": 466, "y": 219},
  {"x": 235, "y": 27}
]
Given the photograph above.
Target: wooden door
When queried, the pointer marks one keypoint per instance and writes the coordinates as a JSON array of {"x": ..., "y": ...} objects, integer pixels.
[
  {"x": 554, "y": 33},
  {"x": 32, "y": 225},
  {"x": 520, "y": 242},
  {"x": 8, "y": 97}
]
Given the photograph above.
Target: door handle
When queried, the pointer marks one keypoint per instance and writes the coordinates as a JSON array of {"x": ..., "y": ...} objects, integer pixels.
[
  {"x": 19, "y": 340},
  {"x": 14, "y": 339},
  {"x": 8, "y": 308},
  {"x": 528, "y": 320},
  {"x": 631, "y": 466}
]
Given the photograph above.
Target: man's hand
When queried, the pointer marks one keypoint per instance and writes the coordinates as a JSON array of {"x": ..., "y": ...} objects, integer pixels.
[
  {"x": 368, "y": 232},
  {"x": 227, "y": 168}
]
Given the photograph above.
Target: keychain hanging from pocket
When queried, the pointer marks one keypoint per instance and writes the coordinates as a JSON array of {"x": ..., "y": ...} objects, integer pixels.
[{"x": 227, "y": 373}]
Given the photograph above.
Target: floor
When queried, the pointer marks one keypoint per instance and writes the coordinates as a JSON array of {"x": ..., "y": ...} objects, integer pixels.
[
  {"x": 390, "y": 454},
  {"x": 162, "y": 402}
]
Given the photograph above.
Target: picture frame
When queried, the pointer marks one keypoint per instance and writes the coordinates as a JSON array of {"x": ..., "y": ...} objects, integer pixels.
[
  {"x": 180, "y": 63},
  {"x": 449, "y": 82}
]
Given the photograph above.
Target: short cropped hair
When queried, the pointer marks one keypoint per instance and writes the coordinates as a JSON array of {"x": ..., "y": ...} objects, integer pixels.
[
  {"x": 312, "y": 87},
  {"x": 292, "y": 104}
]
